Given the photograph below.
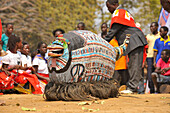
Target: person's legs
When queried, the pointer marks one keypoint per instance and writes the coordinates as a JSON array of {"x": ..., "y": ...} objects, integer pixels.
[
  {"x": 135, "y": 68},
  {"x": 150, "y": 69},
  {"x": 141, "y": 89},
  {"x": 154, "y": 79},
  {"x": 124, "y": 76}
]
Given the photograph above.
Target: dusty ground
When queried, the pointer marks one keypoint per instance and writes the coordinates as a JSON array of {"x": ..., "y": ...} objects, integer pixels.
[{"x": 131, "y": 103}]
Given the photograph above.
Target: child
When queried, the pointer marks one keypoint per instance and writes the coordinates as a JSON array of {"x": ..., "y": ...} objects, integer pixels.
[
  {"x": 26, "y": 59},
  {"x": 81, "y": 26},
  {"x": 58, "y": 32},
  {"x": 6, "y": 35},
  {"x": 40, "y": 63},
  {"x": 104, "y": 30}
]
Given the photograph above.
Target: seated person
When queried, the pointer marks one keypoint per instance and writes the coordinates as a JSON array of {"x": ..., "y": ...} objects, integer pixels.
[
  {"x": 162, "y": 71},
  {"x": 12, "y": 63},
  {"x": 12, "y": 60},
  {"x": 26, "y": 59},
  {"x": 40, "y": 63}
]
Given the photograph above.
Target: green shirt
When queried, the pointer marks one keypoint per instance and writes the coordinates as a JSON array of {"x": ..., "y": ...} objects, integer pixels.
[{"x": 5, "y": 41}]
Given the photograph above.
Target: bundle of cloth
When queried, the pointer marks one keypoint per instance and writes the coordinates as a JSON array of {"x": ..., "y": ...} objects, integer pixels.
[{"x": 81, "y": 66}]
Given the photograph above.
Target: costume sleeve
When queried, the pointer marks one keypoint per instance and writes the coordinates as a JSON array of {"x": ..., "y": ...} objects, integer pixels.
[
  {"x": 114, "y": 29},
  {"x": 155, "y": 47}
]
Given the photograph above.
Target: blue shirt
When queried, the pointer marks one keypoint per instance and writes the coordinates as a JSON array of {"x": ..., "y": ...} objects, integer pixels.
[
  {"x": 5, "y": 41},
  {"x": 161, "y": 44}
]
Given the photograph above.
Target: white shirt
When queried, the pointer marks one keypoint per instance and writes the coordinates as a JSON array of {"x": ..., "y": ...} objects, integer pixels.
[
  {"x": 42, "y": 65},
  {"x": 11, "y": 59},
  {"x": 26, "y": 60}
]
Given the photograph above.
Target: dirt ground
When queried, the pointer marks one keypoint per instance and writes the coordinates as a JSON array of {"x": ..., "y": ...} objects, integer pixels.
[{"x": 129, "y": 103}]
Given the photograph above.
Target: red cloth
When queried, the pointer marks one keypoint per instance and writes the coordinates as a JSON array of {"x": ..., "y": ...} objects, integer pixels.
[
  {"x": 0, "y": 29},
  {"x": 7, "y": 82},
  {"x": 163, "y": 65},
  {"x": 123, "y": 17},
  {"x": 32, "y": 78},
  {"x": 44, "y": 75}
]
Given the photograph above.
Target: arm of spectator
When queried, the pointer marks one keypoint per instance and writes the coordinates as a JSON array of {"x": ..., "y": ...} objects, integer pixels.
[
  {"x": 5, "y": 66},
  {"x": 165, "y": 70},
  {"x": 154, "y": 58},
  {"x": 158, "y": 70},
  {"x": 35, "y": 70},
  {"x": 114, "y": 29}
]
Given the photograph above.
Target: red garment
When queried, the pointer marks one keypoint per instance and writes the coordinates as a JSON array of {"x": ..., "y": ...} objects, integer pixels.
[
  {"x": 163, "y": 65},
  {"x": 7, "y": 82},
  {"x": 23, "y": 77},
  {"x": 0, "y": 29},
  {"x": 44, "y": 75},
  {"x": 123, "y": 17}
]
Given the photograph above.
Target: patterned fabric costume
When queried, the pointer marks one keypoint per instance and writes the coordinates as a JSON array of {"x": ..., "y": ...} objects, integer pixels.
[
  {"x": 81, "y": 66},
  {"x": 87, "y": 58}
]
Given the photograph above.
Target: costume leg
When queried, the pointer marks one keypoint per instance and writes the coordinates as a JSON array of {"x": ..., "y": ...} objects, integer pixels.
[
  {"x": 135, "y": 68},
  {"x": 150, "y": 69}
]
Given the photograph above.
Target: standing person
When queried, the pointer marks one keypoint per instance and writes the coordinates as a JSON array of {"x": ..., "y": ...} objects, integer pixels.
[
  {"x": 161, "y": 43},
  {"x": 121, "y": 71},
  {"x": 122, "y": 23},
  {"x": 6, "y": 35},
  {"x": 40, "y": 63},
  {"x": 162, "y": 71},
  {"x": 81, "y": 26},
  {"x": 151, "y": 40},
  {"x": 104, "y": 30}
]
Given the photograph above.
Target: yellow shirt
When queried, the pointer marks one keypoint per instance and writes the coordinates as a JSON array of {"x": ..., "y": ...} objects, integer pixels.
[{"x": 151, "y": 41}]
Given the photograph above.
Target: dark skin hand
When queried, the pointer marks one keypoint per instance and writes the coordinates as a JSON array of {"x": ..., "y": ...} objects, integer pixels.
[
  {"x": 35, "y": 69},
  {"x": 154, "y": 58},
  {"x": 161, "y": 71}
]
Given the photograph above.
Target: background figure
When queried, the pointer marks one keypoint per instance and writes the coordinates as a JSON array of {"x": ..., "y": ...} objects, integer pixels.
[
  {"x": 151, "y": 40},
  {"x": 40, "y": 63},
  {"x": 26, "y": 59},
  {"x": 81, "y": 26},
  {"x": 58, "y": 32},
  {"x": 104, "y": 28},
  {"x": 6, "y": 35},
  {"x": 162, "y": 71},
  {"x": 161, "y": 43},
  {"x": 120, "y": 26},
  {"x": 121, "y": 72}
]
